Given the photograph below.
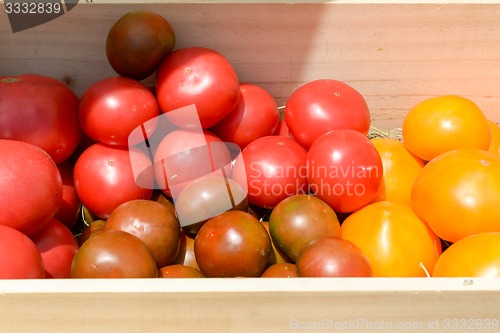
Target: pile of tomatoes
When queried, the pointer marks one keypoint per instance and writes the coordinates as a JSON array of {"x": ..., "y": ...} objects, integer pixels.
[{"x": 202, "y": 175}]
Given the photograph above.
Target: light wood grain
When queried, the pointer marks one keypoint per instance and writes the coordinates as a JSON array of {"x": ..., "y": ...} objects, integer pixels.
[
  {"x": 394, "y": 54},
  {"x": 244, "y": 305}
]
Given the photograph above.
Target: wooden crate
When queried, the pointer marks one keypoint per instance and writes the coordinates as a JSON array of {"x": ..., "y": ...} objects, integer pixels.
[{"x": 395, "y": 54}]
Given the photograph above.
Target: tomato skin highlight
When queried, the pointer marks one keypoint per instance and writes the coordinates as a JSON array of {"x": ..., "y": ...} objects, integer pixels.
[{"x": 30, "y": 104}]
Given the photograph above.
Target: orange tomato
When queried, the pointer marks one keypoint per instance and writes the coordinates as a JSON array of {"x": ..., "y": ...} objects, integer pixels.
[
  {"x": 473, "y": 256},
  {"x": 495, "y": 138},
  {"x": 400, "y": 169},
  {"x": 458, "y": 193},
  {"x": 395, "y": 240},
  {"x": 440, "y": 124}
]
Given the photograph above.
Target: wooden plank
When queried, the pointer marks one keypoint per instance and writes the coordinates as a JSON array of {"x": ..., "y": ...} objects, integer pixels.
[{"x": 247, "y": 305}]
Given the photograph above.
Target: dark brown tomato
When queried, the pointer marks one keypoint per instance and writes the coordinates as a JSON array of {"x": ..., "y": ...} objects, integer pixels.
[
  {"x": 232, "y": 244},
  {"x": 186, "y": 254},
  {"x": 114, "y": 254},
  {"x": 282, "y": 270},
  {"x": 151, "y": 222},
  {"x": 93, "y": 228},
  {"x": 333, "y": 257},
  {"x": 137, "y": 42},
  {"x": 277, "y": 255},
  {"x": 299, "y": 220},
  {"x": 179, "y": 271}
]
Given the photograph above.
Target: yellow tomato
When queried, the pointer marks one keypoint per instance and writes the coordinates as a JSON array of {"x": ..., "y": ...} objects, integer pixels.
[
  {"x": 400, "y": 169},
  {"x": 440, "y": 124},
  {"x": 473, "y": 256},
  {"x": 395, "y": 240},
  {"x": 495, "y": 138},
  {"x": 458, "y": 193}
]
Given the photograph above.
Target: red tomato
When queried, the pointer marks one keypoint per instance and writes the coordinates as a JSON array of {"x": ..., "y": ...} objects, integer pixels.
[
  {"x": 58, "y": 246},
  {"x": 255, "y": 116},
  {"x": 19, "y": 256},
  {"x": 42, "y": 111},
  {"x": 112, "y": 107},
  {"x": 69, "y": 211},
  {"x": 345, "y": 169},
  {"x": 185, "y": 155},
  {"x": 199, "y": 76},
  {"x": 104, "y": 178},
  {"x": 271, "y": 168},
  {"x": 320, "y": 106},
  {"x": 31, "y": 186}
]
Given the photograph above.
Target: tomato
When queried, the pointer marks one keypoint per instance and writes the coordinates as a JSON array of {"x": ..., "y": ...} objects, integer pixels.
[
  {"x": 206, "y": 197},
  {"x": 58, "y": 247},
  {"x": 458, "y": 192},
  {"x": 495, "y": 138},
  {"x": 323, "y": 105},
  {"x": 400, "y": 169},
  {"x": 151, "y": 222},
  {"x": 42, "y": 111},
  {"x": 271, "y": 168},
  {"x": 333, "y": 257},
  {"x": 300, "y": 219},
  {"x": 104, "y": 178},
  {"x": 19, "y": 256},
  {"x": 199, "y": 76},
  {"x": 69, "y": 211},
  {"x": 472, "y": 256},
  {"x": 395, "y": 240},
  {"x": 137, "y": 42},
  {"x": 344, "y": 170},
  {"x": 184, "y": 155},
  {"x": 112, "y": 107},
  {"x": 443, "y": 123},
  {"x": 232, "y": 244},
  {"x": 179, "y": 271},
  {"x": 281, "y": 270},
  {"x": 255, "y": 116},
  {"x": 114, "y": 254},
  {"x": 31, "y": 186}
]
